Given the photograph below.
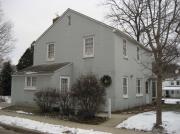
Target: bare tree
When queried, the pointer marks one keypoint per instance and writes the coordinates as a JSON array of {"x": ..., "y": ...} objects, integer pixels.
[
  {"x": 5, "y": 36},
  {"x": 157, "y": 24}
]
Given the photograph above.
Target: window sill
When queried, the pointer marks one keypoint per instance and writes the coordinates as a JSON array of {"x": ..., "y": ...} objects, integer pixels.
[
  {"x": 139, "y": 95},
  {"x": 88, "y": 57},
  {"x": 52, "y": 59},
  {"x": 125, "y": 57},
  {"x": 125, "y": 96},
  {"x": 30, "y": 88}
]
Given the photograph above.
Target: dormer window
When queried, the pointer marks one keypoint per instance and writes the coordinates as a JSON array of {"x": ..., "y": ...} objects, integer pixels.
[
  {"x": 50, "y": 52},
  {"x": 88, "y": 47}
]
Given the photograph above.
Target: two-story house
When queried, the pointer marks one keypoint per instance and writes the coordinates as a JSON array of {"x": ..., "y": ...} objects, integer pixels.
[
  {"x": 76, "y": 44},
  {"x": 171, "y": 87}
]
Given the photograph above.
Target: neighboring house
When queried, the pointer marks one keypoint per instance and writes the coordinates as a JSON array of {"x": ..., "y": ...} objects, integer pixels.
[
  {"x": 76, "y": 44},
  {"x": 171, "y": 87}
]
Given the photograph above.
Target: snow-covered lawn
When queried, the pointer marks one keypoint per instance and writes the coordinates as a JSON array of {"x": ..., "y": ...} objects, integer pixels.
[
  {"x": 44, "y": 127},
  {"x": 171, "y": 101},
  {"x": 145, "y": 121},
  {"x": 22, "y": 112}
]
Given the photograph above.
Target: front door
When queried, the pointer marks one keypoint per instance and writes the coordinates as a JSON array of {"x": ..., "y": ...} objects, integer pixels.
[{"x": 147, "y": 92}]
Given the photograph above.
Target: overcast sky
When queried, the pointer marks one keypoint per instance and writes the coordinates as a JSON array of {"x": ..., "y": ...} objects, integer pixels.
[{"x": 32, "y": 17}]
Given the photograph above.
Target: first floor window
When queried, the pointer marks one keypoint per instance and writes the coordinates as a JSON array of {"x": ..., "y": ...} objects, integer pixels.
[
  {"x": 64, "y": 83},
  {"x": 89, "y": 46},
  {"x": 50, "y": 51},
  {"x": 30, "y": 82},
  {"x": 125, "y": 86},
  {"x": 139, "y": 86}
]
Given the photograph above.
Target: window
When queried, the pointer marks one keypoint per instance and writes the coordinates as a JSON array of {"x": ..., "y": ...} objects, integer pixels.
[
  {"x": 147, "y": 87},
  {"x": 172, "y": 92},
  {"x": 69, "y": 20},
  {"x": 64, "y": 83},
  {"x": 50, "y": 52},
  {"x": 30, "y": 82},
  {"x": 138, "y": 53},
  {"x": 138, "y": 87},
  {"x": 89, "y": 46},
  {"x": 178, "y": 83},
  {"x": 125, "y": 87},
  {"x": 172, "y": 82},
  {"x": 124, "y": 48}
]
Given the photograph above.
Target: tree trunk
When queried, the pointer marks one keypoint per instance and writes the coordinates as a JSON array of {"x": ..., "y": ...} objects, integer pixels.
[{"x": 158, "y": 101}]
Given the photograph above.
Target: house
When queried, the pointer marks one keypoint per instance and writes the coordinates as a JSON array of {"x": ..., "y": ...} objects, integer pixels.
[
  {"x": 171, "y": 87},
  {"x": 76, "y": 44}
]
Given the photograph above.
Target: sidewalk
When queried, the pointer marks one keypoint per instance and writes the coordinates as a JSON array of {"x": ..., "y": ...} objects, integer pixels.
[{"x": 108, "y": 126}]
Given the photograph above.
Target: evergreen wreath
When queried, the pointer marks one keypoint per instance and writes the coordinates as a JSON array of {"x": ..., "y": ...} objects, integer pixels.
[{"x": 106, "y": 80}]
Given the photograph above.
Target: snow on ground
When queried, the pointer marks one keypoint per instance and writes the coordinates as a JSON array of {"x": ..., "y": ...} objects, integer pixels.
[
  {"x": 22, "y": 112},
  {"x": 145, "y": 121},
  {"x": 44, "y": 127},
  {"x": 6, "y": 99},
  {"x": 171, "y": 101}
]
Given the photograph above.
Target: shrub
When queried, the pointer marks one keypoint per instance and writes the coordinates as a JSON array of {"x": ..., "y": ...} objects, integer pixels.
[
  {"x": 46, "y": 99},
  {"x": 90, "y": 95},
  {"x": 65, "y": 103}
]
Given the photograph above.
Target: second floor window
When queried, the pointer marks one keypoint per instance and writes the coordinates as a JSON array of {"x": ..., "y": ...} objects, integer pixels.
[
  {"x": 178, "y": 83},
  {"x": 50, "y": 51},
  {"x": 89, "y": 46},
  {"x": 138, "y": 53},
  {"x": 124, "y": 48},
  {"x": 172, "y": 83}
]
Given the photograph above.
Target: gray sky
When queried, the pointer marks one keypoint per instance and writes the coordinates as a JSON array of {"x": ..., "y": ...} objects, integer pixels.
[{"x": 32, "y": 17}]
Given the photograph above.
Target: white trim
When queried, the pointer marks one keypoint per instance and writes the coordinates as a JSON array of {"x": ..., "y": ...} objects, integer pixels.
[
  {"x": 125, "y": 96},
  {"x": 47, "y": 51},
  {"x": 65, "y": 77},
  {"x": 84, "y": 38}
]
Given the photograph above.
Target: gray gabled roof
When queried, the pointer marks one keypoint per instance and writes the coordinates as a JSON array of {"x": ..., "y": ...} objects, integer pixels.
[
  {"x": 115, "y": 30},
  {"x": 41, "y": 69}
]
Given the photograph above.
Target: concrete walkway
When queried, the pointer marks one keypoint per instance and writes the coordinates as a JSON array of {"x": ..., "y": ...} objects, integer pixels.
[{"x": 108, "y": 126}]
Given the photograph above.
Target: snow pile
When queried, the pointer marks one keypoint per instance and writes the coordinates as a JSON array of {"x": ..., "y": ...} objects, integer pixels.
[
  {"x": 22, "y": 112},
  {"x": 44, "y": 127},
  {"x": 6, "y": 99},
  {"x": 145, "y": 121},
  {"x": 171, "y": 101}
]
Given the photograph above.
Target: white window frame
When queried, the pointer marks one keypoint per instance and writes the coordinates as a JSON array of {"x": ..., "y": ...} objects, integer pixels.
[
  {"x": 125, "y": 44},
  {"x": 84, "y": 53},
  {"x": 125, "y": 95},
  {"x": 31, "y": 87},
  {"x": 53, "y": 58},
  {"x": 141, "y": 88},
  {"x": 65, "y": 77}
]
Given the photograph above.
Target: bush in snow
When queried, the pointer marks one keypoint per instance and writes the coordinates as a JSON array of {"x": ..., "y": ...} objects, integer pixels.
[
  {"x": 46, "y": 99},
  {"x": 90, "y": 95}
]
